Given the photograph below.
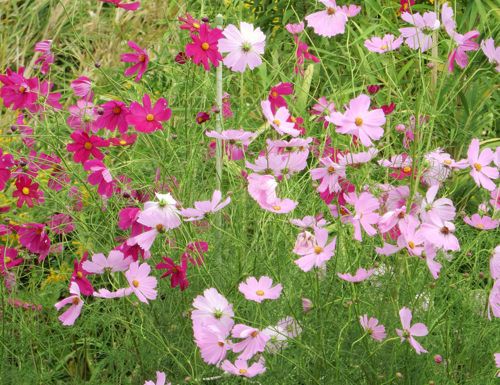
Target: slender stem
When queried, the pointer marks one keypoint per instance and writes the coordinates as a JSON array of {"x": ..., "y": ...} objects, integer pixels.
[{"x": 218, "y": 122}]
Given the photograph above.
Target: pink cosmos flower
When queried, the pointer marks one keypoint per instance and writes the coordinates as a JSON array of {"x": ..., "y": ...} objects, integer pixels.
[
  {"x": 27, "y": 192},
  {"x": 491, "y": 52},
  {"x": 82, "y": 116},
  {"x": 329, "y": 175},
  {"x": 479, "y": 162},
  {"x": 319, "y": 253},
  {"x": 46, "y": 59},
  {"x": 120, "y": 293},
  {"x": 34, "y": 237},
  {"x": 361, "y": 275},
  {"x": 439, "y": 233},
  {"x": 465, "y": 43},
  {"x": 364, "y": 216},
  {"x": 409, "y": 331},
  {"x": 497, "y": 362},
  {"x": 212, "y": 308},
  {"x": 85, "y": 146},
  {"x": 241, "y": 368},
  {"x": 372, "y": 327},
  {"x": 276, "y": 95},
  {"x": 213, "y": 341},
  {"x": 481, "y": 222},
  {"x": 329, "y": 22},
  {"x": 245, "y": 46},
  {"x": 323, "y": 109},
  {"x": 140, "y": 58},
  {"x": 360, "y": 121},
  {"x": 147, "y": 118},
  {"x": 114, "y": 115},
  {"x": 69, "y": 317},
  {"x": 189, "y": 23},
  {"x": 279, "y": 163},
  {"x": 100, "y": 176},
  {"x": 82, "y": 87},
  {"x": 309, "y": 221},
  {"x": 204, "y": 47},
  {"x": 128, "y": 7},
  {"x": 439, "y": 209},
  {"x": 6, "y": 162},
  {"x": 254, "y": 341},
  {"x": 61, "y": 224},
  {"x": 259, "y": 290},
  {"x": 17, "y": 91},
  {"x": 295, "y": 29},
  {"x": 99, "y": 264},
  {"x": 302, "y": 53},
  {"x": 8, "y": 259},
  {"x": 279, "y": 120},
  {"x": 384, "y": 44},
  {"x": 494, "y": 300},
  {"x": 229, "y": 138},
  {"x": 201, "y": 208},
  {"x": 161, "y": 378},
  {"x": 140, "y": 282},
  {"x": 416, "y": 37},
  {"x": 495, "y": 264},
  {"x": 79, "y": 276},
  {"x": 262, "y": 188},
  {"x": 178, "y": 273}
]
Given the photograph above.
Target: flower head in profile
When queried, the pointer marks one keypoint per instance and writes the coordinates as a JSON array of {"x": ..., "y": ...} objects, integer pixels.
[
  {"x": 360, "y": 275},
  {"x": 418, "y": 37},
  {"x": 481, "y": 222},
  {"x": 383, "y": 44},
  {"x": 100, "y": 177},
  {"x": 262, "y": 188},
  {"x": 139, "y": 58},
  {"x": 147, "y": 118},
  {"x": 279, "y": 120},
  {"x": 244, "y": 46},
  {"x": 409, "y": 331},
  {"x": 241, "y": 368},
  {"x": 201, "y": 208},
  {"x": 161, "y": 378},
  {"x": 259, "y": 290},
  {"x": 143, "y": 286},
  {"x": 46, "y": 59},
  {"x": 479, "y": 161},
  {"x": 204, "y": 47},
  {"x": 491, "y": 52},
  {"x": 100, "y": 264},
  {"x": 372, "y": 327},
  {"x": 75, "y": 301},
  {"x": 126, "y": 6}
]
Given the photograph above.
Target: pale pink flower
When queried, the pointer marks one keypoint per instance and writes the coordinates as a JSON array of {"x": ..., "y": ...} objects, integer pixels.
[
  {"x": 439, "y": 233},
  {"x": 497, "y": 362},
  {"x": 410, "y": 331},
  {"x": 307, "y": 305},
  {"x": 295, "y": 29},
  {"x": 372, "y": 327},
  {"x": 304, "y": 242},
  {"x": 358, "y": 120},
  {"x": 140, "y": 282},
  {"x": 416, "y": 37},
  {"x": 319, "y": 253},
  {"x": 245, "y": 46},
  {"x": 309, "y": 221},
  {"x": 241, "y": 368},
  {"x": 212, "y": 340},
  {"x": 262, "y": 188},
  {"x": 384, "y": 44},
  {"x": 323, "y": 109},
  {"x": 360, "y": 275},
  {"x": 254, "y": 341},
  {"x": 201, "y": 208},
  {"x": 352, "y": 159},
  {"x": 69, "y": 317},
  {"x": 491, "y": 52},
  {"x": 494, "y": 300},
  {"x": 82, "y": 87},
  {"x": 212, "y": 308},
  {"x": 329, "y": 175},
  {"x": 120, "y": 293},
  {"x": 365, "y": 216},
  {"x": 329, "y": 22},
  {"x": 229, "y": 137},
  {"x": 481, "y": 222},
  {"x": 479, "y": 162},
  {"x": 160, "y": 379},
  {"x": 441, "y": 208},
  {"x": 259, "y": 290},
  {"x": 495, "y": 264},
  {"x": 279, "y": 120},
  {"x": 100, "y": 264}
]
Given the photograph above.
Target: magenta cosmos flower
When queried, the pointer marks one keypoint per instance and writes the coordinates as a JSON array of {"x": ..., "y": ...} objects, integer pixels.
[
  {"x": 245, "y": 46},
  {"x": 372, "y": 327},
  {"x": 85, "y": 146},
  {"x": 139, "y": 58},
  {"x": 384, "y": 44},
  {"x": 114, "y": 115},
  {"x": 360, "y": 275},
  {"x": 82, "y": 87},
  {"x": 230, "y": 139},
  {"x": 140, "y": 282},
  {"x": 161, "y": 378},
  {"x": 126, "y": 6},
  {"x": 358, "y": 120},
  {"x": 46, "y": 59},
  {"x": 319, "y": 253},
  {"x": 75, "y": 301},
  {"x": 204, "y": 48},
  {"x": 17, "y": 91},
  {"x": 201, "y": 208},
  {"x": 409, "y": 331},
  {"x": 241, "y": 368},
  {"x": 34, "y": 237},
  {"x": 254, "y": 341},
  {"x": 27, "y": 192},
  {"x": 279, "y": 120},
  {"x": 177, "y": 273},
  {"x": 259, "y": 290},
  {"x": 329, "y": 22},
  {"x": 147, "y": 118},
  {"x": 8, "y": 259},
  {"x": 481, "y": 171},
  {"x": 100, "y": 177},
  {"x": 276, "y": 95},
  {"x": 212, "y": 308}
]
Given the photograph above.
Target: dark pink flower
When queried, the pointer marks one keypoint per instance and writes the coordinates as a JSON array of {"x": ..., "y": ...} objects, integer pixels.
[
  {"x": 8, "y": 258},
  {"x": 189, "y": 23},
  {"x": 33, "y": 237},
  {"x": 17, "y": 91},
  {"x": 46, "y": 59},
  {"x": 82, "y": 87},
  {"x": 147, "y": 118},
  {"x": 61, "y": 224},
  {"x": 79, "y": 276},
  {"x": 202, "y": 117},
  {"x": 85, "y": 146},
  {"x": 181, "y": 58},
  {"x": 100, "y": 176},
  {"x": 276, "y": 95},
  {"x": 121, "y": 4},
  {"x": 6, "y": 162},
  {"x": 27, "y": 192},
  {"x": 178, "y": 273},
  {"x": 302, "y": 54},
  {"x": 195, "y": 252},
  {"x": 204, "y": 47},
  {"x": 140, "y": 59},
  {"x": 124, "y": 140},
  {"x": 82, "y": 116},
  {"x": 114, "y": 115},
  {"x": 373, "y": 89}
]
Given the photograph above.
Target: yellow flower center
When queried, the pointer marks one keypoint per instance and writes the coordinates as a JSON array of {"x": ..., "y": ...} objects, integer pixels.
[
  {"x": 7, "y": 260},
  {"x": 276, "y": 208},
  {"x": 293, "y": 119},
  {"x": 480, "y": 226},
  {"x": 88, "y": 146},
  {"x": 447, "y": 162},
  {"x": 330, "y": 11},
  {"x": 135, "y": 283},
  {"x": 22, "y": 89},
  {"x": 220, "y": 343},
  {"x": 407, "y": 169},
  {"x": 254, "y": 333},
  {"x": 205, "y": 46},
  {"x": 477, "y": 166},
  {"x": 79, "y": 274},
  {"x": 274, "y": 94},
  {"x": 318, "y": 249},
  {"x": 25, "y": 190},
  {"x": 331, "y": 170},
  {"x": 76, "y": 301},
  {"x": 160, "y": 228},
  {"x": 358, "y": 122},
  {"x": 384, "y": 47},
  {"x": 260, "y": 293},
  {"x": 242, "y": 371},
  {"x": 150, "y": 117},
  {"x": 142, "y": 58},
  {"x": 123, "y": 142},
  {"x": 411, "y": 245},
  {"x": 117, "y": 110},
  {"x": 196, "y": 25},
  {"x": 276, "y": 122}
]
